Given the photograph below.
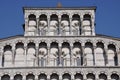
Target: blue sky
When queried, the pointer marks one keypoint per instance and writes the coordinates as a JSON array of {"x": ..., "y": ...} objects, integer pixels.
[{"x": 12, "y": 17}]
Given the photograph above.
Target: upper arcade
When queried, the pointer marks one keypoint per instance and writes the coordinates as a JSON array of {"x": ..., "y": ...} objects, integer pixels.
[{"x": 59, "y": 21}]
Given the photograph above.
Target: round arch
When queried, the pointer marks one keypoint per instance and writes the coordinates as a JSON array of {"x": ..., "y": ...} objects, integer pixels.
[{"x": 5, "y": 77}]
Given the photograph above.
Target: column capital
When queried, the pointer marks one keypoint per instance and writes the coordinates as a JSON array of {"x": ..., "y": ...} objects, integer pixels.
[
  {"x": 60, "y": 45},
  {"x": 83, "y": 44},
  {"x": 13, "y": 46},
  {"x": 11, "y": 77},
  {"x": 108, "y": 77},
  {"x": 60, "y": 77},
  {"x": 24, "y": 77},
  {"x": 72, "y": 77},
  {"x": 48, "y": 77},
  {"x": 48, "y": 45},
  {"x": 25, "y": 45},
  {"x": 36, "y": 77},
  {"x": 37, "y": 45}
]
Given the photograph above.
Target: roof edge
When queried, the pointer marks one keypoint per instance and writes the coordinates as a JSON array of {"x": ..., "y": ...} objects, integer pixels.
[{"x": 57, "y": 8}]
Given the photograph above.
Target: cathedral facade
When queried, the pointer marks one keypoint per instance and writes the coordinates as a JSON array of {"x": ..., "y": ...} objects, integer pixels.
[{"x": 60, "y": 44}]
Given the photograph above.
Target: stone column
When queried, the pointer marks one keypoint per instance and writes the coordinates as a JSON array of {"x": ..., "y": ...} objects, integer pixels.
[
  {"x": 84, "y": 54},
  {"x": 48, "y": 55},
  {"x": 70, "y": 25},
  {"x": 1, "y": 57},
  {"x": 79, "y": 29},
  {"x": 37, "y": 54},
  {"x": 82, "y": 29},
  {"x": 106, "y": 55},
  {"x": 93, "y": 25},
  {"x": 13, "y": 55},
  {"x": 60, "y": 53},
  {"x": 48, "y": 25},
  {"x": 59, "y": 27},
  {"x": 94, "y": 55},
  {"x": 26, "y": 27},
  {"x": 25, "y": 53},
  {"x": 37, "y": 27},
  {"x": 71, "y": 55},
  {"x": 118, "y": 56}
]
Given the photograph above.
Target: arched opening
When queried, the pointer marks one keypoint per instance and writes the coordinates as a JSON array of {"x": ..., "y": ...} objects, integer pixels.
[
  {"x": 100, "y": 54},
  {"x": 54, "y": 76},
  {"x": 78, "y": 55},
  {"x": 32, "y": 24},
  {"x": 54, "y": 56},
  {"x": 18, "y": 77},
  {"x": 115, "y": 77},
  {"x": 42, "y": 54},
  {"x": 65, "y": 56},
  {"x": 30, "y": 77},
  {"x": 87, "y": 24},
  {"x": 42, "y": 77},
  {"x": 43, "y": 24},
  {"x": 90, "y": 76},
  {"x": 7, "y": 57},
  {"x": 31, "y": 56},
  {"x": 65, "y": 24},
  {"x": 102, "y": 77},
  {"x": 19, "y": 54},
  {"x": 53, "y": 24},
  {"x": 32, "y": 20},
  {"x": 78, "y": 76},
  {"x": 112, "y": 55},
  {"x": 89, "y": 58},
  {"x": 66, "y": 76},
  {"x": 76, "y": 29},
  {"x": 5, "y": 77}
]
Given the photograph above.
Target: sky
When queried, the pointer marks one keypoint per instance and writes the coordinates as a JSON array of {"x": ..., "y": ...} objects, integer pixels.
[{"x": 12, "y": 17}]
